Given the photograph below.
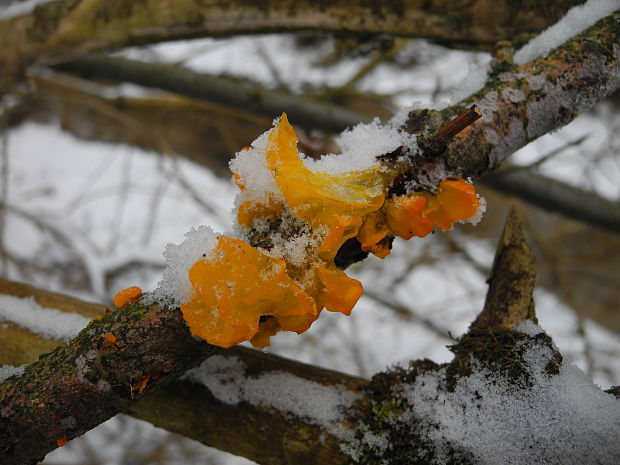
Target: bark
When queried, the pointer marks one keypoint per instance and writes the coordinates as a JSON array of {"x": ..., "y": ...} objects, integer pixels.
[
  {"x": 509, "y": 300},
  {"x": 78, "y": 385},
  {"x": 522, "y": 103},
  {"x": 83, "y": 383},
  {"x": 182, "y": 406},
  {"x": 66, "y": 29},
  {"x": 273, "y": 436},
  {"x": 551, "y": 195}
]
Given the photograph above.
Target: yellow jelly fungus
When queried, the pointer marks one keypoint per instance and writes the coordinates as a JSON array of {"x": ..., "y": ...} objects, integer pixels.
[
  {"x": 240, "y": 293},
  {"x": 127, "y": 296},
  {"x": 373, "y": 234},
  {"x": 333, "y": 203},
  {"x": 406, "y": 218},
  {"x": 234, "y": 288},
  {"x": 339, "y": 293},
  {"x": 248, "y": 211},
  {"x": 267, "y": 328},
  {"x": 456, "y": 200}
]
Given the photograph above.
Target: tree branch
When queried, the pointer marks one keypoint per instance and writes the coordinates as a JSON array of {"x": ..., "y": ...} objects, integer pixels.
[
  {"x": 520, "y": 104},
  {"x": 236, "y": 93},
  {"x": 223, "y": 410},
  {"x": 67, "y": 29},
  {"x": 556, "y": 196},
  {"x": 191, "y": 409},
  {"x": 78, "y": 108},
  {"x": 92, "y": 378},
  {"x": 510, "y": 300}
]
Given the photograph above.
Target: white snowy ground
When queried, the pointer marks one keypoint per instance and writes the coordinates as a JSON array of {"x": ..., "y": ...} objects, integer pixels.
[{"x": 115, "y": 204}]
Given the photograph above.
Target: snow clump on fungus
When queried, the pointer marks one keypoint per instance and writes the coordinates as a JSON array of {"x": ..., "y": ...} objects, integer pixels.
[{"x": 243, "y": 292}]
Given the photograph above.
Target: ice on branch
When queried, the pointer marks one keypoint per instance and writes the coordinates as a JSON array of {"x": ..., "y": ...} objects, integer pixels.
[{"x": 293, "y": 216}]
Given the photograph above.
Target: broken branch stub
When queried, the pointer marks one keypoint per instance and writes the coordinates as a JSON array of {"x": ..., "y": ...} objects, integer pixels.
[{"x": 509, "y": 300}]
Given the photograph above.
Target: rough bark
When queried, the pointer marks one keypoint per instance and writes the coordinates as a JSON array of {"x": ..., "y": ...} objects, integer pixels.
[
  {"x": 80, "y": 384},
  {"x": 90, "y": 379},
  {"x": 521, "y": 103},
  {"x": 138, "y": 122},
  {"x": 509, "y": 300},
  {"x": 273, "y": 437},
  {"x": 66, "y": 29},
  {"x": 185, "y": 407}
]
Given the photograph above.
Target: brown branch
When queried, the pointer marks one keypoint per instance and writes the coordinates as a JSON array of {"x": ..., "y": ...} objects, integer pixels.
[
  {"x": 555, "y": 196},
  {"x": 179, "y": 406},
  {"x": 252, "y": 428},
  {"x": 510, "y": 299},
  {"x": 78, "y": 108},
  {"x": 90, "y": 379},
  {"x": 236, "y": 93},
  {"x": 67, "y": 29}
]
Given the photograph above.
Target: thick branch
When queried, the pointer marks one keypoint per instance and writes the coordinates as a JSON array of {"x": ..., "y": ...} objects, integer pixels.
[
  {"x": 92, "y": 378},
  {"x": 138, "y": 122},
  {"x": 189, "y": 408},
  {"x": 67, "y": 29}
]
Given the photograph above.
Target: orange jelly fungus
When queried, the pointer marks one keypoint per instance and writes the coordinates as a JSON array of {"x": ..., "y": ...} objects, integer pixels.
[
  {"x": 240, "y": 293},
  {"x": 235, "y": 287},
  {"x": 110, "y": 338},
  {"x": 127, "y": 296},
  {"x": 61, "y": 441}
]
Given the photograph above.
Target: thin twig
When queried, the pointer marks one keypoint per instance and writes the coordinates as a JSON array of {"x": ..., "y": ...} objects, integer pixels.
[{"x": 4, "y": 194}]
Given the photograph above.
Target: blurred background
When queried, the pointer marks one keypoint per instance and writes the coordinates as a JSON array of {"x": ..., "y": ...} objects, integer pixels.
[{"x": 100, "y": 168}]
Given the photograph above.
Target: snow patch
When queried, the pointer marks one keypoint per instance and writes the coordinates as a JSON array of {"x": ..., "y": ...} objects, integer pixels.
[
  {"x": 6, "y": 371},
  {"x": 174, "y": 286},
  {"x": 560, "y": 418},
  {"x": 360, "y": 147},
  {"x": 576, "y": 20},
  {"x": 530, "y": 328},
  {"x": 227, "y": 380},
  {"x": 46, "y": 322}
]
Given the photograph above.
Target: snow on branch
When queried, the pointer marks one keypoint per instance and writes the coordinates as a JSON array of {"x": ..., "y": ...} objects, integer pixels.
[
  {"x": 498, "y": 401},
  {"x": 404, "y": 191},
  {"x": 43, "y": 32}
]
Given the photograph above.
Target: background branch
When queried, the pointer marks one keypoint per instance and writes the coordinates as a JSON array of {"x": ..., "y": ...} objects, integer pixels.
[{"x": 67, "y": 29}]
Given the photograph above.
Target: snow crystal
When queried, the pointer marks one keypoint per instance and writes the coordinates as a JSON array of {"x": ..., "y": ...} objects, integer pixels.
[
  {"x": 46, "y": 322},
  {"x": 226, "y": 378},
  {"x": 360, "y": 146},
  {"x": 563, "y": 419},
  {"x": 296, "y": 249},
  {"x": 6, "y": 371},
  {"x": 576, "y": 20},
  {"x": 530, "y": 328},
  {"x": 174, "y": 286},
  {"x": 474, "y": 81},
  {"x": 250, "y": 165}
]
